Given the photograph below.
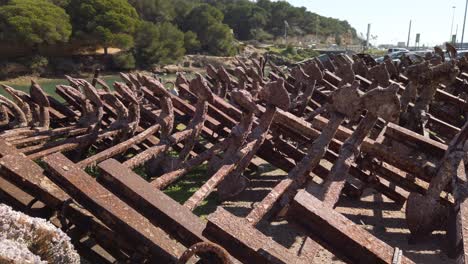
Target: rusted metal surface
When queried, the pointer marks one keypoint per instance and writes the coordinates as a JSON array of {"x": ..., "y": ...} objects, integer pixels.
[
  {"x": 424, "y": 213},
  {"x": 245, "y": 243},
  {"x": 206, "y": 247},
  {"x": 337, "y": 232},
  {"x": 119, "y": 148},
  {"x": 239, "y": 154},
  {"x": 345, "y": 103},
  {"x": 293, "y": 119},
  {"x": 14, "y": 164},
  {"x": 458, "y": 231},
  {"x": 110, "y": 209},
  {"x": 154, "y": 204},
  {"x": 30, "y": 178},
  {"x": 379, "y": 102}
]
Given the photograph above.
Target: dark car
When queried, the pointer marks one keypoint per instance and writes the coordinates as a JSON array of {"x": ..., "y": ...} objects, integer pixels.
[
  {"x": 461, "y": 53},
  {"x": 395, "y": 56}
]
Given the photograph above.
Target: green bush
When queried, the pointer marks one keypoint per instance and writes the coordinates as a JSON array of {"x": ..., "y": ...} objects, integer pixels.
[
  {"x": 293, "y": 54},
  {"x": 376, "y": 52},
  {"x": 191, "y": 42},
  {"x": 38, "y": 64},
  {"x": 124, "y": 61},
  {"x": 105, "y": 23},
  {"x": 307, "y": 53},
  {"x": 215, "y": 37},
  {"x": 33, "y": 22},
  {"x": 161, "y": 43},
  {"x": 261, "y": 35},
  {"x": 290, "y": 51}
]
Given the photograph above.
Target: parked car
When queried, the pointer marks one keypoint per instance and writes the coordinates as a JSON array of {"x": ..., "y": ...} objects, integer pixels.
[
  {"x": 395, "y": 56},
  {"x": 423, "y": 52},
  {"x": 461, "y": 53},
  {"x": 393, "y": 50}
]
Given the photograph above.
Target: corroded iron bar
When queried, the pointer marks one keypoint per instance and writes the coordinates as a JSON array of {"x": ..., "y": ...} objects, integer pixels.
[
  {"x": 65, "y": 145},
  {"x": 345, "y": 103},
  {"x": 166, "y": 179},
  {"x": 160, "y": 148},
  {"x": 335, "y": 181},
  {"x": 34, "y": 139},
  {"x": 20, "y": 117},
  {"x": 204, "y": 96},
  {"x": 23, "y": 100},
  {"x": 285, "y": 190},
  {"x": 294, "y": 124},
  {"x": 457, "y": 229},
  {"x": 28, "y": 176},
  {"x": 154, "y": 204},
  {"x": 245, "y": 242},
  {"x": 238, "y": 163},
  {"x": 337, "y": 233},
  {"x": 108, "y": 208},
  {"x": 424, "y": 213},
  {"x": 40, "y": 101},
  {"x": 379, "y": 102},
  {"x": 119, "y": 148}
]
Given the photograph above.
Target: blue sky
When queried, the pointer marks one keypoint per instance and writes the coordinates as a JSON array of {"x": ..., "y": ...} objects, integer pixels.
[{"x": 390, "y": 19}]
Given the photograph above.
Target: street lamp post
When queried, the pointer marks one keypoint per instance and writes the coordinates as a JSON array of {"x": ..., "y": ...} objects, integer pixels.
[
  {"x": 409, "y": 34},
  {"x": 451, "y": 28},
  {"x": 464, "y": 22}
]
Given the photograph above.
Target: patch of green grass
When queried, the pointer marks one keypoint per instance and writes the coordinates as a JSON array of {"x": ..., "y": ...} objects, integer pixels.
[
  {"x": 93, "y": 171},
  {"x": 182, "y": 190},
  {"x": 190, "y": 183},
  {"x": 41, "y": 163},
  {"x": 172, "y": 154},
  {"x": 293, "y": 53},
  {"x": 376, "y": 52},
  {"x": 141, "y": 170},
  {"x": 432, "y": 133},
  {"x": 276, "y": 49},
  {"x": 181, "y": 127},
  {"x": 91, "y": 151}
]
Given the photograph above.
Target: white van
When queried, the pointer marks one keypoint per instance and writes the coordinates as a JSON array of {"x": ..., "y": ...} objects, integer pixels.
[{"x": 392, "y": 50}]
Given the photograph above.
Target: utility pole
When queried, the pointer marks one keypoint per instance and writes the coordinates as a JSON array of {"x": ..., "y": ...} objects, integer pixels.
[
  {"x": 316, "y": 29},
  {"x": 409, "y": 33},
  {"x": 451, "y": 28},
  {"x": 286, "y": 25},
  {"x": 417, "y": 41},
  {"x": 464, "y": 21},
  {"x": 368, "y": 35}
]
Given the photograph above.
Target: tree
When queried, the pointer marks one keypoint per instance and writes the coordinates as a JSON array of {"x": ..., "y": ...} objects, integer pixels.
[
  {"x": 215, "y": 37},
  {"x": 182, "y": 9},
  {"x": 160, "y": 43},
  {"x": 155, "y": 10},
  {"x": 33, "y": 22},
  {"x": 61, "y": 3},
  {"x": 244, "y": 17},
  {"x": 191, "y": 42},
  {"x": 106, "y": 23},
  {"x": 269, "y": 16},
  {"x": 338, "y": 39}
]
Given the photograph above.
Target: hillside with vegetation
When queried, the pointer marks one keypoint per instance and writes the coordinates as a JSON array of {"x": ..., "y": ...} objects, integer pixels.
[{"x": 41, "y": 34}]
